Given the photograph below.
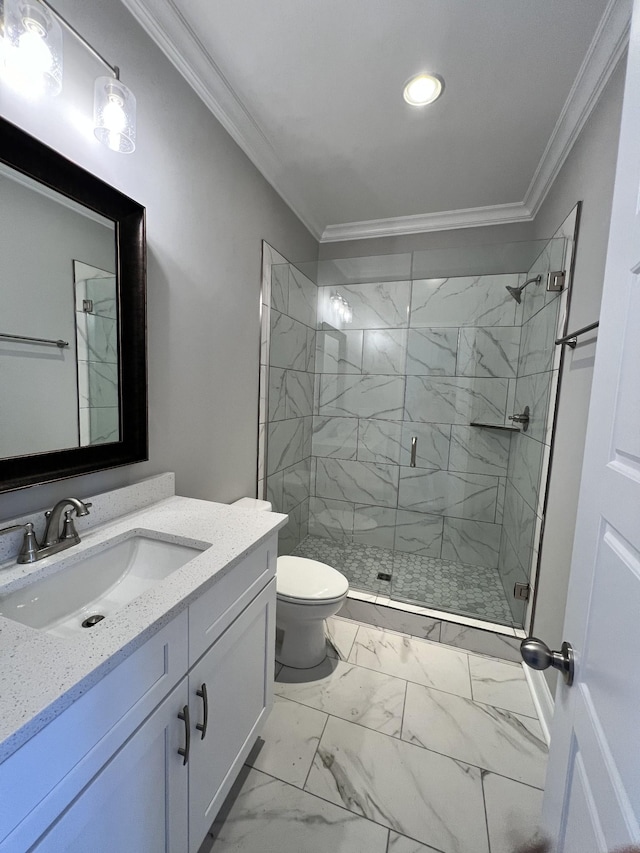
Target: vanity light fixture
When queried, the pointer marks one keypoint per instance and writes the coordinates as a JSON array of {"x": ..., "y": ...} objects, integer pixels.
[
  {"x": 114, "y": 114},
  {"x": 32, "y": 48},
  {"x": 423, "y": 89},
  {"x": 33, "y": 64}
]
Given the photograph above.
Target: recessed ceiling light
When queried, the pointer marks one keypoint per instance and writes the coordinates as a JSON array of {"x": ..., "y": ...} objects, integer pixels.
[{"x": 423, "y": 89}]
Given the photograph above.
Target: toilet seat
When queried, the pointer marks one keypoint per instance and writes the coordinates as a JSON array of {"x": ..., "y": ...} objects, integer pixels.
[{"x": 305, "y": 581}]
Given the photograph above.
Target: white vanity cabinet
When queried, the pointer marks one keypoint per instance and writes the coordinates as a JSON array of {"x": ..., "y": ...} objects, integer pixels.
[
  {"x": 138, "y": 801},
  {"x": 237, "y": 677},
  {"x": 116, "y": 776}
]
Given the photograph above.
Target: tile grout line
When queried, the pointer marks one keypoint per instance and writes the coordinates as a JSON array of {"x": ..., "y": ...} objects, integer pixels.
[
  {"x": 486, "y": 815},
  {"x": 404, "y": 708},
  {"x": 303, "y": 788},
  {"x": 470, "y": 678}
]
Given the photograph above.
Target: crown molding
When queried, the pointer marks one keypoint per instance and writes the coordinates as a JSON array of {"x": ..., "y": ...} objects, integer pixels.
[
  {"x": 168, "y": 28},
  {"x": 605, "y": 52},
  {"x": 498, "y": 214}
]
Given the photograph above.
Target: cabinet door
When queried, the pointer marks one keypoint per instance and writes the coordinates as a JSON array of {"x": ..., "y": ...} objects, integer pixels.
[
  {"x": 138, "y": 802},
  {"x": 237, "y": 673}
]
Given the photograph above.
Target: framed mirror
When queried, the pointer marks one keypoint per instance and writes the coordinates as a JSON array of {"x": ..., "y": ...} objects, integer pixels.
[{"x": 73, "y": 369}]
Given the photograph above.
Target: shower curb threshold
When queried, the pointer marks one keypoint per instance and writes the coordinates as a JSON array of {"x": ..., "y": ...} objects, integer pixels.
[{"x": 475, "y": 635}]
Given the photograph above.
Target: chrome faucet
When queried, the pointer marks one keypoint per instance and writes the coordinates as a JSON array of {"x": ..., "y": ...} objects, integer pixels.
[{"x": 53, "y": 540}]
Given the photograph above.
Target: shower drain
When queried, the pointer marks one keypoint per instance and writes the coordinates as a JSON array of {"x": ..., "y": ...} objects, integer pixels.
[
  {"x": 384, "y": 576},
  {"x": 90, "y": 621}
]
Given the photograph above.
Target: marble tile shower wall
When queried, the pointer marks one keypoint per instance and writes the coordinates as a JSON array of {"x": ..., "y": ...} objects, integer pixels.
[
  {"x": 97, "y": 354},
  {"x": 289, "y": 408},
  {"x": 536, "y": 385},
  {"x": 420, "y": 358}
]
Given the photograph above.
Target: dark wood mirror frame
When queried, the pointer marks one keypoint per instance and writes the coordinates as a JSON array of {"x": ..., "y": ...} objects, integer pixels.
[{"x": 28, "y": 155}]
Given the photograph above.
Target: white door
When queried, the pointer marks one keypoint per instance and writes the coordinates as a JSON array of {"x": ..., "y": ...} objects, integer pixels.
[{"x": 592, "y": 796}]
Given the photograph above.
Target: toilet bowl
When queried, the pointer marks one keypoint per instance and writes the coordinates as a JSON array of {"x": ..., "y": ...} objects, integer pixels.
[{"x": 307, "y": 593}]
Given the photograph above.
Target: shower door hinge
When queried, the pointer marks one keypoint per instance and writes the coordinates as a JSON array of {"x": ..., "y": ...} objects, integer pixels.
[
  {"x": 521, "y": 591},
  {"x": 87, "y": 306},
  {"x": 555, "y": 281}
]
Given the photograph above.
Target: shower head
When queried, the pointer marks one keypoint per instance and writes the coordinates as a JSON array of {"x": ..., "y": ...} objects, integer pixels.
[{"x": 516, "y": 292}]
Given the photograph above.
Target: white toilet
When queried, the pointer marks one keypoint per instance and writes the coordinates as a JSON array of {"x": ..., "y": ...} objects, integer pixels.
[{"x": 307, "y": 593}]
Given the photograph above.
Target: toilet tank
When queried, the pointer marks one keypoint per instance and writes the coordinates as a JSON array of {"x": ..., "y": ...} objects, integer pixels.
[{"x": 253, "y": 503}]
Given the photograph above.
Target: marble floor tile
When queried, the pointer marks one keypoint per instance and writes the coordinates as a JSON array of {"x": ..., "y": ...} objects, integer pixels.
[
  {"x": 413, "y": 791},
  {"x": 502, "y": 685},
  {"x": 264, "y": 815},
  {"x": 513, "y": 813},
  {"x": 288, "y": 741},
  {"x": 416, "y": 660},
  {"x": 487, "y": 737},
  {"x": 351, "y": 692},
  {"x": 402, "y": 844},
  {"x": 340, "y": 636}
]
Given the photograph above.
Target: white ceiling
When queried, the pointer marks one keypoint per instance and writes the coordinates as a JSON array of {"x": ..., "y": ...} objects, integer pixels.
[{"x": 312, "y": 90}]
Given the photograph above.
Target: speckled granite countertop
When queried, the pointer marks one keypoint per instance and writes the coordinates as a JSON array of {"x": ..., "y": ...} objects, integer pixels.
[{"x": 42, "y": 674}]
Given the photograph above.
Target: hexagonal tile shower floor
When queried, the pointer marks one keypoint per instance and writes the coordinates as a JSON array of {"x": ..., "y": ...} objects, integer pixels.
[{"x": 459, "y": 588}]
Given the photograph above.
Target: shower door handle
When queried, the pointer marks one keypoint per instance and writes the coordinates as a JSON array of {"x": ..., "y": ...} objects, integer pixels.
[{"x": 414, "y": 450}]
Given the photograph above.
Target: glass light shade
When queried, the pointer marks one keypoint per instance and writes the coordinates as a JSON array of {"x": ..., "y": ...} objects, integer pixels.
[
  {"x": 33, "y": 48},
  {"x": 422, "y": 90},
  {"x": 114, "y": 115}
]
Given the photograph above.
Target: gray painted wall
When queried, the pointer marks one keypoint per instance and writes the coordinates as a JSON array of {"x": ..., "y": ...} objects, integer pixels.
[
  {"x": 587, "y": 174},
  {"x": 207, "y": 211}
]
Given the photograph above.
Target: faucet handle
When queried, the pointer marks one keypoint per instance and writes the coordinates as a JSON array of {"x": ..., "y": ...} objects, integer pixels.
[
  {"x": 29, "y": 548},
  {"x": 68, "y": 528}
]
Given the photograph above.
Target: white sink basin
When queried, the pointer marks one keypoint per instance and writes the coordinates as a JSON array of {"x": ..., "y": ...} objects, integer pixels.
[{"x": 97, "y": 583}]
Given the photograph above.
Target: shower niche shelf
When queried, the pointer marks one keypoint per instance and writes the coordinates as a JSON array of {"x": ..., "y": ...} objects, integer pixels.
[{"x": 503, "y": 427}]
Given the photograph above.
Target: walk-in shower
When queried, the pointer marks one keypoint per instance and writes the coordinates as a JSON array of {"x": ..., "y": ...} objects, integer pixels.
[{"x": 394, "y": 394}]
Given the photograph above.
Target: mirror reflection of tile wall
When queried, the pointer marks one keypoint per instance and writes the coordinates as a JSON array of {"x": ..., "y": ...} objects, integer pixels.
[{"x": 97, "y": 354}]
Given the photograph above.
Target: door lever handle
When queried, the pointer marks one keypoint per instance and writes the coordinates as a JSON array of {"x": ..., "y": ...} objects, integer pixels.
[{"x": 538, "y": 655}]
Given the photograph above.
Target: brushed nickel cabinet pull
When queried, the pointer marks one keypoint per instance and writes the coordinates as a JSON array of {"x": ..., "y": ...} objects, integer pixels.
[
  {"x": 184, "y": 715},
  {"x": 202, "y": 727}
]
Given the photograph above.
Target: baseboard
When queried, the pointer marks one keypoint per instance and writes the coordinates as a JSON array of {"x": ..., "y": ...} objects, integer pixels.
[{"x": 542, "y": 698}]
